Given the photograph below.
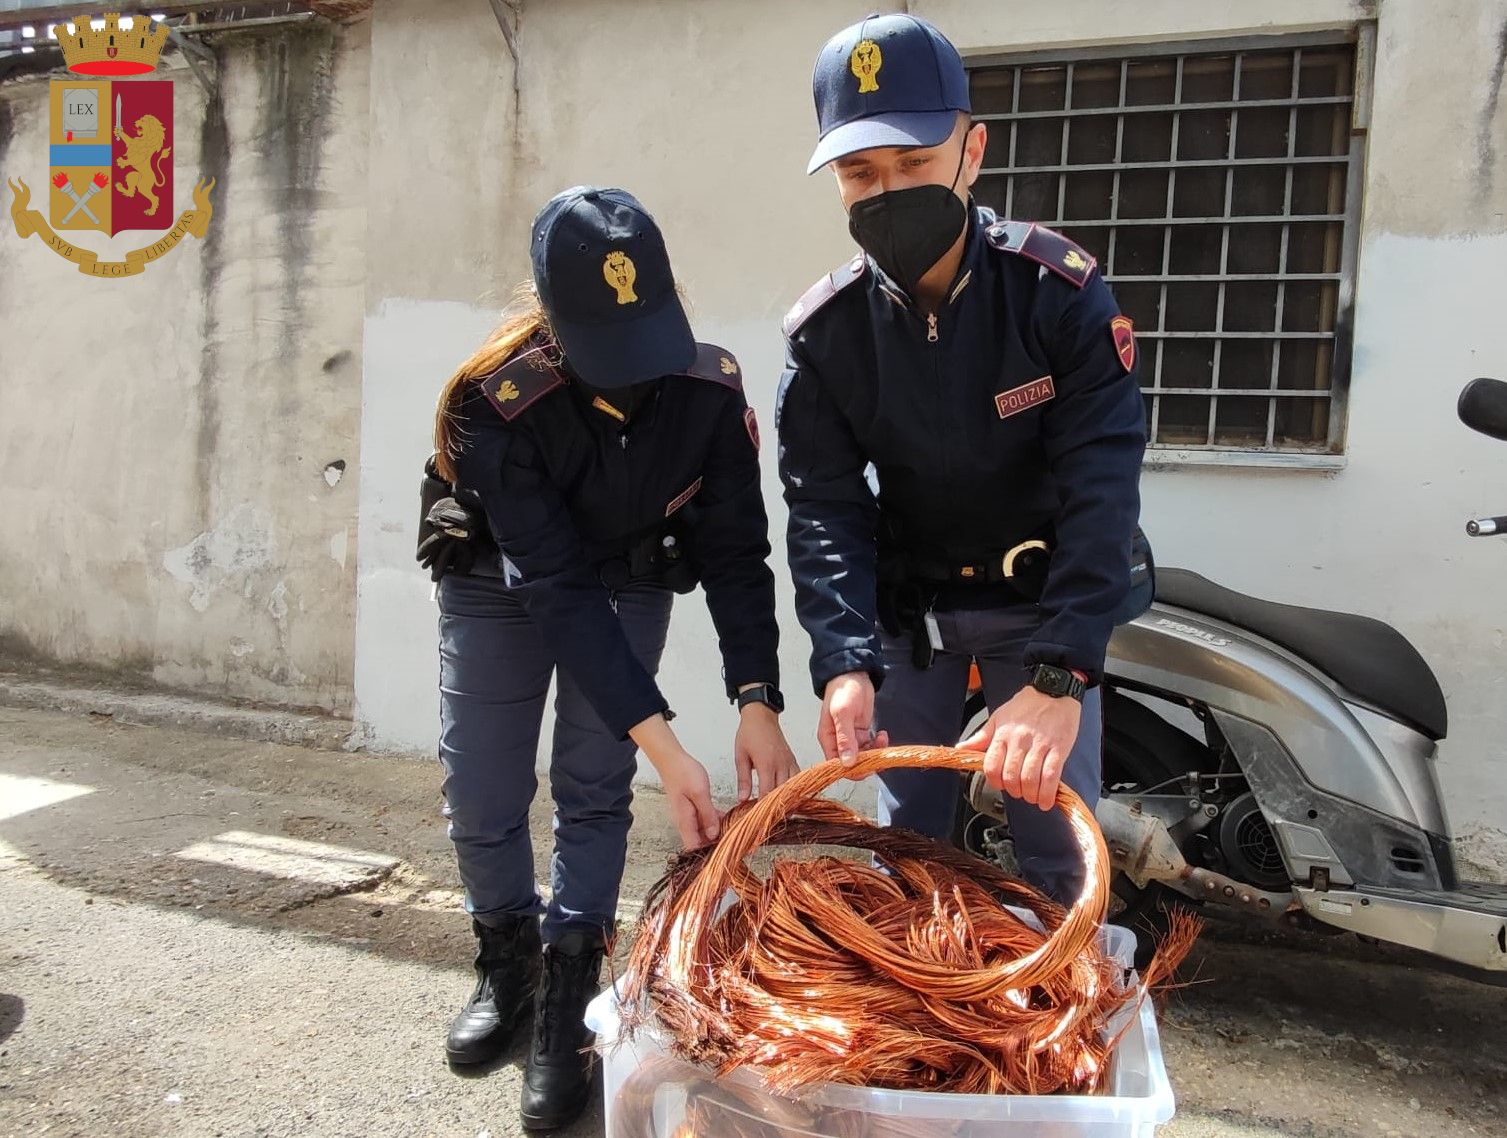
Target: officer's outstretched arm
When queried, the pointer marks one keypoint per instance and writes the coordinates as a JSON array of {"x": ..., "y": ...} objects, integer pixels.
[
  {"x": 1094, "y": 434},
  {"x": 731, "y": 549},
  {"x": 688, "y": 790},
  {"x": 832, "y": 527},
  {"x": 544, "y": 560}
]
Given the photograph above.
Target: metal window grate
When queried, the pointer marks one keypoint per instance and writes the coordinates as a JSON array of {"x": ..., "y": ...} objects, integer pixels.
[{"x": 1219, "y": 188}]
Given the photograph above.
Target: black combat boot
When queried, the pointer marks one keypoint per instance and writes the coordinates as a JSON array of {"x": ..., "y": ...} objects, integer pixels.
[
  {"x": 508, "y": 962},
  {"x": 557, "y": 1081}
]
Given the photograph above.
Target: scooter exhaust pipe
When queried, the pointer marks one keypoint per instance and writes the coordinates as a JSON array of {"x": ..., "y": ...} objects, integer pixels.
[{"x": 1142, "y": 848}]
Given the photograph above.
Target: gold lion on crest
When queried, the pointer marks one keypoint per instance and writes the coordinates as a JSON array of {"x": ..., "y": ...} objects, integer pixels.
[
  {"x": 142, "y": 153},
  {"x": 620, "y": 274}
]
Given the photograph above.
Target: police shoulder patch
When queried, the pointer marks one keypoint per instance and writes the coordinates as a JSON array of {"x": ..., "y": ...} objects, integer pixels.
[
  {"x": 718, "y": 365},
  {"x": 520, "y": 383},
  {"x": 1046, "y": 247},
  {"x": 822, "y": 291},
  {"x": 1122, "y": 331}
]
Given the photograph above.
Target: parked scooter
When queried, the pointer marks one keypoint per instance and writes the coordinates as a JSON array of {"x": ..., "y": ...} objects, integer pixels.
[{"x": 1280, "y": 761}]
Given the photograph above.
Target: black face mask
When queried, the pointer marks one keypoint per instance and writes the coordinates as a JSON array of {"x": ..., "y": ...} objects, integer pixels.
[{"x": 907, "y": 231}]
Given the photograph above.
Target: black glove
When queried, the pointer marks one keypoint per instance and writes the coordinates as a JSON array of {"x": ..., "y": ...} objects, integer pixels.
[{"x": 446, "y": 538}]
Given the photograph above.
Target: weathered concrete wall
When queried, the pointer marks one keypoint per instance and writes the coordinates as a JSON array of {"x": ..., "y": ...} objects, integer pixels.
[
  {"x": 1438, "y": 147},
  {"x": 1385, "y": 535},
  {"x": 714, "y": 143},
  {"x": 178, "y": 476},
  {"x": 703, "y": 109},
  {"x": 977, "y": 26},
  {"x": 373, "y": 214},
  {"x": 445, "y": 244}
]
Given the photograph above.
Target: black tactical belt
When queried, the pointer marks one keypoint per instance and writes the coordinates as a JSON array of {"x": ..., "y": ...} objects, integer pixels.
[{"x": 1023, "y": 566}]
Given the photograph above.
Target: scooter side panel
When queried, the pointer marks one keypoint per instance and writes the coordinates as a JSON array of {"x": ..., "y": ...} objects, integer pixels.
[
  {"x": 1411, "y": 756},
  {"x": 1318, "y": 831},
  {"x": 1192, "y": 657}
]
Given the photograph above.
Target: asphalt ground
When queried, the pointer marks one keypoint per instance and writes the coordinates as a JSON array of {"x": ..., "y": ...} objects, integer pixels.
[{"x": 205, "y": 936}]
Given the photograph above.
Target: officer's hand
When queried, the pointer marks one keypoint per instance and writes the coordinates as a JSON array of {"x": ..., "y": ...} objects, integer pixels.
[
  {"x": 1026, "y": 743},
  {"x": 687, "y": 789},
  {"x": 848, "y": 717},
  {"x": 445, "y": 539},
  {"x": 689, "y": 794},
  {"x": 760, "y": 747}
]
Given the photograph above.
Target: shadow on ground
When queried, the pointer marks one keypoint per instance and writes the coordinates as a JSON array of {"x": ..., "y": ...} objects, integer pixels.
[{"x": 1291, "y": 1034}]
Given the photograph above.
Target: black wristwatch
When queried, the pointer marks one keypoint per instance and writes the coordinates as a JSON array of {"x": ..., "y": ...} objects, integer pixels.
[
  {"x": 1054, "y": 681},
  {"x": 762, "y": 693}
]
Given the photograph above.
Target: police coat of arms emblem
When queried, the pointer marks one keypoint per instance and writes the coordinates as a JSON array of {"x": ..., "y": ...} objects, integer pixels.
[{"x": 110, "y": 148}]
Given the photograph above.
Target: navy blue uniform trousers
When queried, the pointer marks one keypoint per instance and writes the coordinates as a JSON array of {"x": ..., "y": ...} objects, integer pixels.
[
  {"x": 925, "y": 706},
  {"x": 495, "y": 669}
]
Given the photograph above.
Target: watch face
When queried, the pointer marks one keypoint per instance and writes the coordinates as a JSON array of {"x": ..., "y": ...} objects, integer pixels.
[{"x": 1052, "y": 681}]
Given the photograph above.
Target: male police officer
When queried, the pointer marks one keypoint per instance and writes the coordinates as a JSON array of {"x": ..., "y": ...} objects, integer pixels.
[{"x": 980, "y": 369}]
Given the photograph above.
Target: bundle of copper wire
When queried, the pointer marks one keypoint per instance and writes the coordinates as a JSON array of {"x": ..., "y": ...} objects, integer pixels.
[{"x": 916, "y": 976}]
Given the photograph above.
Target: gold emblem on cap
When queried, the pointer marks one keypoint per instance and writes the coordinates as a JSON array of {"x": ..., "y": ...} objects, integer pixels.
[
  {"x": 620, "y": 274},
  {"x": 728, "y": 367},
  {"x": 1074, "y": 260},
  {"x": 866, "y": 62},
  {"x": 507, "y": 390}
]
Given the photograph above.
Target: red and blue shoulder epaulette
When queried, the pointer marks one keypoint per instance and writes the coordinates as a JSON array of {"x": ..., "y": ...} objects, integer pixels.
[
  {"x": 1046, "y": 247},
  {"x": 822, "y": 291},
  {"x": 521, "y": 382},
  {"x": 716, "y": 364}
]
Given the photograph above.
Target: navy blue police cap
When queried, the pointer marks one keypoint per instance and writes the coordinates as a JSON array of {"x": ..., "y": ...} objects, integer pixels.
[
  {"x": 604, "y": 278},
  {"x": 886, "y": 81}
]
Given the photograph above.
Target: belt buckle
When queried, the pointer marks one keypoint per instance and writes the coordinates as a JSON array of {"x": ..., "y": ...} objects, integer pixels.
[{"x": 1007, "y": 562}]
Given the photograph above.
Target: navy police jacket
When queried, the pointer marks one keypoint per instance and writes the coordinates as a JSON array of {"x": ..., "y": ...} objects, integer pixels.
[
  {"x": 1011, "y": 413},
  {"x": 566, "y": 485}
]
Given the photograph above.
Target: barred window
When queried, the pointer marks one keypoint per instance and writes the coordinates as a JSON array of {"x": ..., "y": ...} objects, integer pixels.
[{"x": 1219, "y": 187}]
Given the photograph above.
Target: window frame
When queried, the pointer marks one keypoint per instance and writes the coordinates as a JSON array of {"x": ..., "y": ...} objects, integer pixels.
[{"x": 1331, "y": 455}]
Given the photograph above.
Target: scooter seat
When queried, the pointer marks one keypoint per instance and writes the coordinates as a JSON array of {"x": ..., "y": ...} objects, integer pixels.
[{"x": 1370, "y": 659}]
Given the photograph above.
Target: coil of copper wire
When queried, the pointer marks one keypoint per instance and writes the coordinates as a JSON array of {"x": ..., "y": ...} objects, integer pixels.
[{"x": 917, "y": 976}]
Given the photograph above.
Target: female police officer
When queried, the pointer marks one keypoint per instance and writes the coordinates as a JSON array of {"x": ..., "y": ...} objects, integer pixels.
[{"x": 614, "y": 459}]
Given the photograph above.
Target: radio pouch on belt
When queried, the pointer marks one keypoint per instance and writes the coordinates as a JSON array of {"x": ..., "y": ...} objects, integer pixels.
[
  {"x": 664, "y": 555},
  {"x": 903, "y": 607},
  {"x": 1142, "y": 579},
  {"x": 674, "y": 554}
]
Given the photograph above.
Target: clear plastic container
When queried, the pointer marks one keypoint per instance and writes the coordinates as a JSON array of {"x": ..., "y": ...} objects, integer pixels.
[{"x": 651, "y": 1094}]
